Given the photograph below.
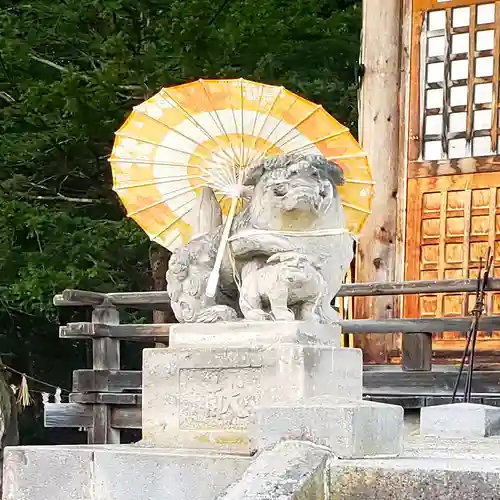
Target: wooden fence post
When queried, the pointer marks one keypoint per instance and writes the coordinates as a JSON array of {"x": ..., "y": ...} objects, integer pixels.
[
  {"x": 417, "y": 352},
  {"x": 106, "y": 356}
]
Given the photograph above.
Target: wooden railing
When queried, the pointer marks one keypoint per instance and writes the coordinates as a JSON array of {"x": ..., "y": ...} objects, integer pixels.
[{"x": 106, "y": 399}]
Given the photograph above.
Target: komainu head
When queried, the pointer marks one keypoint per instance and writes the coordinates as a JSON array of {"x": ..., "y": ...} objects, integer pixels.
[{"x": 295, "y": 183}]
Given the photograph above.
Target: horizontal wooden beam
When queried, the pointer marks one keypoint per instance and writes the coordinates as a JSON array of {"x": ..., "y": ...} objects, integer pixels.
[
  {"x": 416, "y": 402},
  {"x": 135, "y": 300},
  {"x": 107, "y": 398},
  {"x": 160, "y": 332},
  {"x": 129, "y": 417},
  {"x": 438, "y": 383},
  {"x": 414, "y": 287},
  {"x": 160, "y": 300},
  {"x": 81, "y": 416},
  {"x": 376, "y": 382},
  {"x": 140, "y": 332},
  {"x": 418, "y": 325},
  {"x": 67, "y": 415},
  {"x": 107, "y": 380}
]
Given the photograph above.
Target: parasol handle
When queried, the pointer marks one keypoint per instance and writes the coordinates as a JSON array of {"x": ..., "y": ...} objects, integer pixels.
[{"x": 213, "y": 279}]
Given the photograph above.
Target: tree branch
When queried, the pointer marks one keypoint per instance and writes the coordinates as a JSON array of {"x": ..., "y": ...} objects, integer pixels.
[{"x": 62, "y": 197}]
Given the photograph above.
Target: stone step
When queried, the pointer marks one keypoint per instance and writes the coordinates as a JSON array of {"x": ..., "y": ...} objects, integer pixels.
[
  {"x": 435, "y": 478},
  {"x": 299, "y": 470},
  {"x": 117, "y": 472}
]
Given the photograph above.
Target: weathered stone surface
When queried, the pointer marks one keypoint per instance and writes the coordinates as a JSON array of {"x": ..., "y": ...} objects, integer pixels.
[
  {"x": 47, "y": 472},
  {"x": 439, "y": 447},
  {"x": 414, "y": 479},
  {"x": 202, "y": 397},
  {"x": 159, "y": 474},
  {"x": 349, "y": 428},
  {"x": 291, "y": 471},
  {"x": 289, "y": 244},
  {"x": 255, "y": 333},
  {"x": 120, "y": 472},
  {"x": 460, "y": 420}
]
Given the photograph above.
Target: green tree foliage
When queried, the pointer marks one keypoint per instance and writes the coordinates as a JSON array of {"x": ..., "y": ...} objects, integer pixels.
[{"x": 70, "y": 71}]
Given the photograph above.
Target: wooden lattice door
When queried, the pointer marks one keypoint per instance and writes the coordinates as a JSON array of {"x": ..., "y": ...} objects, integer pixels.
[{"x": 453, "y": 195}]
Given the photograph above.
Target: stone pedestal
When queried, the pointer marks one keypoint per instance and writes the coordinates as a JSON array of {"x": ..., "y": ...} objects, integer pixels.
[
  {"x": 460, "y": 420},
  {"x": 349, "y": 428},
  {"x": 200, "y": 392}
]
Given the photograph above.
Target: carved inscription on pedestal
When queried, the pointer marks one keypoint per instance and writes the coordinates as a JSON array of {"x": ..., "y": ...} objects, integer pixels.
[{"x": 218, "y": 398}]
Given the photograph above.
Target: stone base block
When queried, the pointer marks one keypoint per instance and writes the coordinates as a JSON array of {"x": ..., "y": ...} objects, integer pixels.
[
  {"x": 350, "y": 429},
  {"x": 460, "y": 420},
  {"x": 197, "y": 398},
  {"x": 120, "y": 472},
  {"x": 414, "y": 479},
  {"x": 248, "y": 333},
  {"x": 291, "y": 471}
]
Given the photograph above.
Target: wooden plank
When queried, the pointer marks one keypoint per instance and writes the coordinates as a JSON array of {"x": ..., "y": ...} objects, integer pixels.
[
  {"x": 471, "y": 78},
  {"x": 378, "y": 380},
  {"x": 357, "y": 326},
  {"x": 415, "y": 287},
  {"x": 384, "y": 385},
  {"x": 407, "y": 402},
  {"x": 496, "y": 80},
  {"x": 436, "y": 168},
  {"x": 127, "y": 417},
  {"x": 417, "y": 352},
  {"x": 157, "y": 299},
  {"x": 107, "y": 380},
  {"x": 67, "y": 415},
  {"x": 139, "y": 332},
  {"x": 392, "y": 382},
  {"x": 404, "y": 123},
  {"x": 108, "y": 398},
  {"x": 101, "y": 431},
  {"x": 140, "y": 300},
  {"x": 420, "y": 5},
  {"x": 81, "y": 416},
  {"x": 106, "y": 356},
  {"x": 106, "y": 351}
]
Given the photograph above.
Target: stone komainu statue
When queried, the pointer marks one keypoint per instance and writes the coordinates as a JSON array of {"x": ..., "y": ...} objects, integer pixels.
[{"x": 288, "y": 251}]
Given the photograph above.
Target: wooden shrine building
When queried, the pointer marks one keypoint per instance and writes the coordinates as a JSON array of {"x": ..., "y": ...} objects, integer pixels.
[{"x": 429, "y": 120}]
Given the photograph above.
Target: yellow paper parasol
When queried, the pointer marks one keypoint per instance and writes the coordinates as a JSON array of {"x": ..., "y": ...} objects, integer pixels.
[{"x": 206, "y": 133}]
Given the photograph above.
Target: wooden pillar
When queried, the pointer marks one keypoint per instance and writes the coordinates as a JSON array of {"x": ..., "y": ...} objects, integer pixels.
[
  {"x": 106, "y": 356},
  {"x": 379, "y": 130},
  {"x": 158, "y": 260}
]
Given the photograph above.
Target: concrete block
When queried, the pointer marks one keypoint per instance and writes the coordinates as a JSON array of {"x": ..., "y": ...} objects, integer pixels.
[
  {"x": 47, "y": 472},
  {"x": 117, "y": 472},
  {"x": 156, "y": 474},
  {"x": 291, "y": 471},
  {"x": 439, "y": 447},
  {"x": 253, "y": 333},
  {"x": 349, "y": 428},
  {"x": 414, "y": 479},
  {"x": 202, "y": 398},
  {"x": 460, "y": 420}
]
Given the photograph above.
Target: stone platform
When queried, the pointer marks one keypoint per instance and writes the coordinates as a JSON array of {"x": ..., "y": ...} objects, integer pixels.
[
  {"x": 429, "y": 469},
  {"x": 278, "y": 412},
  {"x": 117, "y": 472}
]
